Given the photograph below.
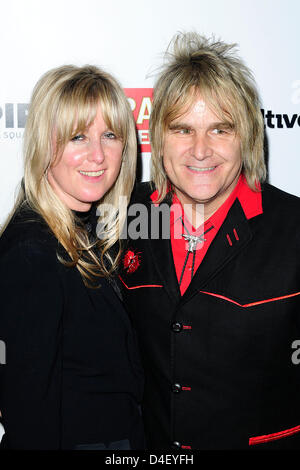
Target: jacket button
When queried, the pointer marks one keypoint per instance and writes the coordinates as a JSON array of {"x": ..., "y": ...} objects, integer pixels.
[
  {"x": 177, "y": 327},
  {"x": 176, "y": 445},
  {"x": 176, "y": 388}
]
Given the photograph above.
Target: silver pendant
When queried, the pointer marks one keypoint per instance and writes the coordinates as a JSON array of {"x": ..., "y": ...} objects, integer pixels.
[{"x": 193, "y": 241}]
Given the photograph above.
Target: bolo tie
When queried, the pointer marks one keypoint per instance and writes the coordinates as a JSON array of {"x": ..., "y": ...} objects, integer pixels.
[{"x": 192, "y": 245}]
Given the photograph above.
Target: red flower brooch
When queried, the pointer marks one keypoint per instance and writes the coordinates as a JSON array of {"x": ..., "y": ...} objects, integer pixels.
[{"x": 131, "y": 261}]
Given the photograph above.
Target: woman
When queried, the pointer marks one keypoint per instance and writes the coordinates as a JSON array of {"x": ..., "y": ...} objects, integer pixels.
[{"x": 72, "y": 378}]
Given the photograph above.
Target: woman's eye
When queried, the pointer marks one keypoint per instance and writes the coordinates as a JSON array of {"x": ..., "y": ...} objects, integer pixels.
[
  {"x": 110, "y": 135},
  {"x": 78, "y": 138}
]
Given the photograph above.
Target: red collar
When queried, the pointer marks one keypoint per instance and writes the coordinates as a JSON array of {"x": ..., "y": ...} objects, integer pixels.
[{"x": 251, "y": 202}]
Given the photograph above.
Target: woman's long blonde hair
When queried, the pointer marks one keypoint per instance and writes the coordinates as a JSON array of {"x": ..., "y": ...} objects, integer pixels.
[{"x": 65, "y": 100}]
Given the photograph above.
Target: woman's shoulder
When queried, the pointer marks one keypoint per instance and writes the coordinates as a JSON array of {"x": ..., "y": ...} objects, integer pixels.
[{"x": 29, "y": 230}]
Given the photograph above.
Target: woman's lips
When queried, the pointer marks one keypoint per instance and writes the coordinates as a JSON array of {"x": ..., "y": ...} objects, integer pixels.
[
  {"x": 92, "y": 176},
  {"x": 91, "y": 173}
]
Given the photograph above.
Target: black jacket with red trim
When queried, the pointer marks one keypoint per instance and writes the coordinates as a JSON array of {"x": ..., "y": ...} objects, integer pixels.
[{"x": 221, "y": 362}]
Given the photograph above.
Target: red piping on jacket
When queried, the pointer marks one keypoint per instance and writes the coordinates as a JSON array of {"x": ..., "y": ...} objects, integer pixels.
[
  {"x": 138, "y": 287},
  {"x": 235, "y": 234},
  {"x": 253, "y": 303},
  {"x": 229, "y": 239},
  {"x": 273, "y": 436}
]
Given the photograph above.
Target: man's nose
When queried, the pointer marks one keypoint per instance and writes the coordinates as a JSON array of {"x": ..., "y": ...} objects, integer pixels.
[{"x": 202, "y": 147}]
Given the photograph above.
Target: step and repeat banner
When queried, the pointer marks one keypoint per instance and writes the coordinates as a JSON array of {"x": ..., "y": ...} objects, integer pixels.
[{"x": 128, "y": 38}]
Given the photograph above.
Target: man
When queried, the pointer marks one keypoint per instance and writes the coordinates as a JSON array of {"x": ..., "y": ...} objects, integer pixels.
[{"x": 217, "y": 307}]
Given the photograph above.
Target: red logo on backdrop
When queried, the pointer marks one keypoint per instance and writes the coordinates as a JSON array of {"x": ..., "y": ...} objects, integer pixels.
[
  {"x": 140, "y": 100},
  {"x": 131, "y": 261}
]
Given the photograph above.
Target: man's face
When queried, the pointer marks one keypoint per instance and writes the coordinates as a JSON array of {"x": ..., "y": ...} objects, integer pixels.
[{"x": 202, "y": 157}]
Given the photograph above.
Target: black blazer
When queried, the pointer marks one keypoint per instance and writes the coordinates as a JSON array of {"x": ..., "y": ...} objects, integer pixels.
[
  {"x": 72, "y": 375},
  {"x": 218, "y": 360}
]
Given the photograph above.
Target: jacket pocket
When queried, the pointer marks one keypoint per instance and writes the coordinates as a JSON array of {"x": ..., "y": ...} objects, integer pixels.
[
  {"x": 251, "y": 304},
  {"x": 274, "y": 436},
  {"x": 138, "y": 286}
]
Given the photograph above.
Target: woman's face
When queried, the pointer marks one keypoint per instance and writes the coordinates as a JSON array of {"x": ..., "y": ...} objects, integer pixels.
[{"x": 88, "y": 167}]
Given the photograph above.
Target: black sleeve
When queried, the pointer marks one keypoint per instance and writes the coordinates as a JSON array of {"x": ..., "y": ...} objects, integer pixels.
[{"x": 31, "y": 327}]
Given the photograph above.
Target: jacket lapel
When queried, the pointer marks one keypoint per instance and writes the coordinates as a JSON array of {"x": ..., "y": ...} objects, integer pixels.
[
  {"x": 161, "y": 252},
  {"x": 162, "y": 256},
  {"x": 232, "y": 237}
]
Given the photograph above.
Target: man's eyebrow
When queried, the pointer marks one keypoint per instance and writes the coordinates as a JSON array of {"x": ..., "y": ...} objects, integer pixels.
[
  {"x": 179, "y": 125},
  {"x": 224, "y": 124},
  {"x": 173, "y": 126}
]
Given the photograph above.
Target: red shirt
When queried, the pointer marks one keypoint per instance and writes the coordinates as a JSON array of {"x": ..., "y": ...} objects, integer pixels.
[{"x": 251, "y": 203}]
